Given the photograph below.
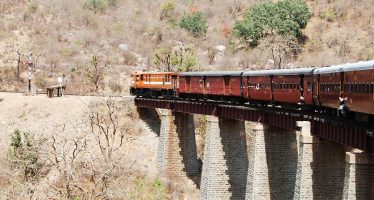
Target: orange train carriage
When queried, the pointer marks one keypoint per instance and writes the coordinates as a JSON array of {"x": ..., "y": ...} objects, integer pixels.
[{"x": 154, "y": 84}]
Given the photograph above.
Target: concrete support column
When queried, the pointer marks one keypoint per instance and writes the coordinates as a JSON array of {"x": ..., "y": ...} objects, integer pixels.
[
  {"x": 257, "y": 182},
  {"x": 320, "y": 167},
  {"x": 359, "y": 176},
  {"x": 177, "y": 154},
  {"x": 225, "y": 161}
]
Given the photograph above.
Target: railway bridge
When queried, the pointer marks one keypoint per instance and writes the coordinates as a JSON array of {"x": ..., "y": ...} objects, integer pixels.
[{"x": 266, "y": 153}]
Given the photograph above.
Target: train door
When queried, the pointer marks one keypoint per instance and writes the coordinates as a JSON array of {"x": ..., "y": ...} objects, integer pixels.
[
  {"x": 188, "y": 84},
  {"x": 174, "y": 84},
  {"x": 272, "y": 87},
  {"x": 227, "y": 85},
  {"x": 341, "y": 82},
  {"x": 248, "y": 88},
  {"x": 241, "y": 85},
  {"x": 316, "y": 89},
  {"x": 302, "y": 89}
]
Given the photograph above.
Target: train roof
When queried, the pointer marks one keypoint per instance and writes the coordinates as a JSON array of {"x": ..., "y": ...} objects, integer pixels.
[
  {"x": 278, "y": 72},
  {"x": 153, "y": 73},
  {"x": 212, "y": 73},
  {"x": 358, "y": 66}
]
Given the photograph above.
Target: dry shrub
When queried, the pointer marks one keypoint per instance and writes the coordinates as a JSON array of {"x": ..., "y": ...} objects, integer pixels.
[{"x": 129, "y": 58}]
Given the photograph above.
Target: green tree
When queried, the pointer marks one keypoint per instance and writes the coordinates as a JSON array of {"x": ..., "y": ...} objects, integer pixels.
[
  {"x": 96, "y": 5},
  {"x": 167, "y": 10},
  {"x": 195, "y": 23},
  {"x": 181, "y": 58},
  {"x": 286, "y": 17}
]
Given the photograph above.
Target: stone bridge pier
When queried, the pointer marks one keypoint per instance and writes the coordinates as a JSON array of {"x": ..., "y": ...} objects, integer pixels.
[
  {"x": 225, "y": 162},
  {"x": 177, "y": 155},
  {"x": 247, "y": 160}
]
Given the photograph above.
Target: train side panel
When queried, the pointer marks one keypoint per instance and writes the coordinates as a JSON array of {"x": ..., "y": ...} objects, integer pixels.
[
  {"x": 329, "y": 89},
  {"x": 286, "y": 89},
  {"x": 358, "y": 88},
  {"x": 210, "y": 85},
  {"x": 259, "y": 88}
]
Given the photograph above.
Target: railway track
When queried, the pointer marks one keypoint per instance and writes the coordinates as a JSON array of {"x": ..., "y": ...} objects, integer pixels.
[{"x": 70, "y": 94}]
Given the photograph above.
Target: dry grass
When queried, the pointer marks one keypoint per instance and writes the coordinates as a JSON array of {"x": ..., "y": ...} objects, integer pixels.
[{"x": 65, "y": 35}]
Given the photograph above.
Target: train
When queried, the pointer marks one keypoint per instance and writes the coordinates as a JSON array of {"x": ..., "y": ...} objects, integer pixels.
[{"x": 320, "y": 89}]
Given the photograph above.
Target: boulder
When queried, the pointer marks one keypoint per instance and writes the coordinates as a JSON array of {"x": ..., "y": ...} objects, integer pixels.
[{"x": 123, "y": 47}]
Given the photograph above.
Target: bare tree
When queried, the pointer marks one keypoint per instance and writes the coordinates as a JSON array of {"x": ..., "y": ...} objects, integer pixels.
[
  {"x": 95, "y": 73},
  {"x": 339, "y": 44},
  {"x": 280, "y": 48},
  {"x": 65, "y": 156},
  {"x": 105, "y": 119},
  {"x": 80, "y": 172},
  {"x": 18, "y": 62}
]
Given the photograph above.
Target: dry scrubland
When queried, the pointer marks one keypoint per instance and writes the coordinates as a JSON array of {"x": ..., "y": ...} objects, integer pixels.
[
  {"x": 96, "y": 48},
  {"x": 61, "y": 157},
  {"x": 64, "y": 35}
]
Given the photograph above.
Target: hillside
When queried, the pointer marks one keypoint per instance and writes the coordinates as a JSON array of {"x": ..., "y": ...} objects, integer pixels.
[
  {"x": 63, "y": 121},
  {"x": 64, "y": 36}
]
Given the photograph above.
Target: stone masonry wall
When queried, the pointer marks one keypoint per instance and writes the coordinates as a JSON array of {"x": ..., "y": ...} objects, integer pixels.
[
  {"x": 225, "y": 161},
  {"x": 272, "y": 162},
  {"x": 177, "y": 148},
  {"x": 359, "y": 177},
  {"x": 257, "y": 181},
  {"x": 320, "y": 169}
]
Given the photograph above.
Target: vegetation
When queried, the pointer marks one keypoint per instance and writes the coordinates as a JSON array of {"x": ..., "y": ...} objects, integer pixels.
[
  {"x": 286, "y": 17},
  {"x": 95, "y": 72},
  {"x": 195, "y": 23},
  {"x": 96, "y": 5},
  {"x": 180, "y": 59},
  {"x": 24, "y": 153},
  {"x": 167, "y": 10}
]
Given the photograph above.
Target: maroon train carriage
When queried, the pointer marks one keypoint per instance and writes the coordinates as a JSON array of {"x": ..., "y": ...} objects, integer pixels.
[
  {"x": 355, "y": 80},
  {"x": 284, "y": 85},
  {"x": 221, "y": 85}
]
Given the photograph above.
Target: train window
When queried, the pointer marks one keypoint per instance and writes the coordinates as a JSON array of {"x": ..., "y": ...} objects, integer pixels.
[
  {"x": 367, "y": 88},
  {"x": 141, "y": 77},
  {"x": 349, "y": 87},
  {"x": 359, "y": 88},
  {"x": 346, "y": 87},
  {"x": 371, "y": 88},
  {"x": 308, "y": 86},
  {"x": 355, "y": 88},
  {"x": 364, "y": 88}
]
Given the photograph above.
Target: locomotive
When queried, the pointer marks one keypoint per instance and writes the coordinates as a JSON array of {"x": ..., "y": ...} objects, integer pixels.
[{"x": 322, "y": 89}]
